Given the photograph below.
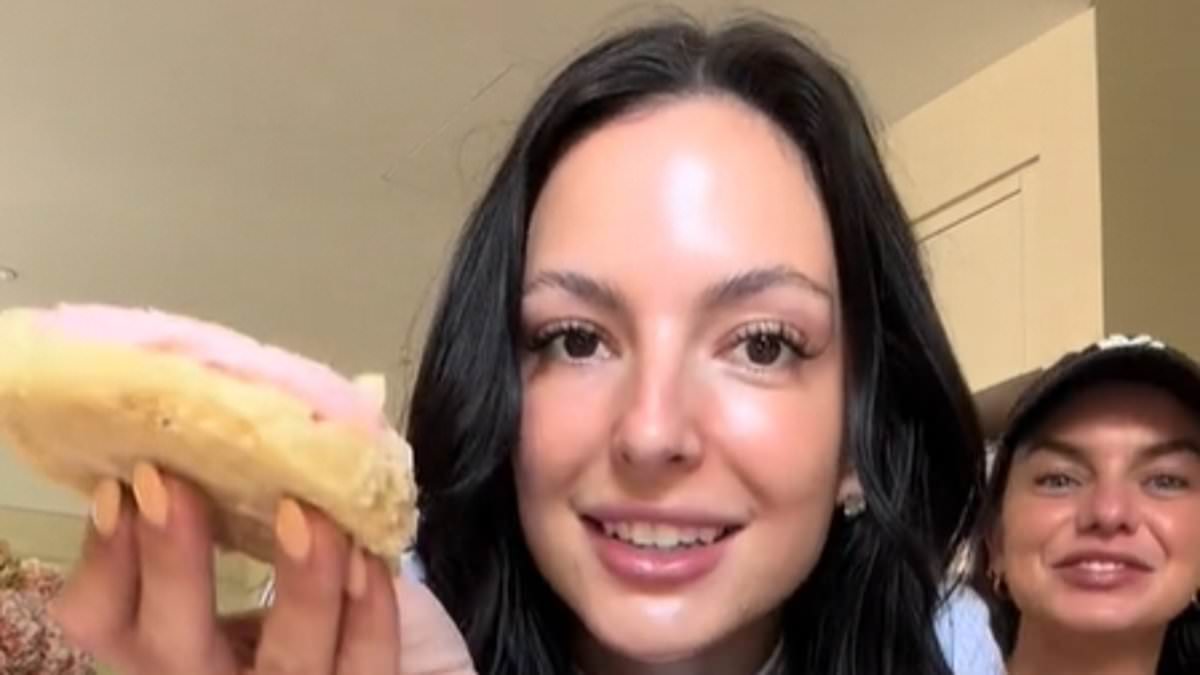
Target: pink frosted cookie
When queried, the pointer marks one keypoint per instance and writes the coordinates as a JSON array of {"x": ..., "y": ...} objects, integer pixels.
[{"x": 87, "y": 391}]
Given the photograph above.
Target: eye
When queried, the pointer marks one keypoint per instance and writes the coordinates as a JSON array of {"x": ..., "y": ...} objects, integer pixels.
[
  {"x": 1165, "y": 482},
  {"x": 767, "y": 344},
  {"x": 1055, "y": 482},
  {"x": 571, "y": 341}
]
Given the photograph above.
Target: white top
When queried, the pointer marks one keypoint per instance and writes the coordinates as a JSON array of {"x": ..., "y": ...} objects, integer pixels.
[{"x": 964, "y": 631}]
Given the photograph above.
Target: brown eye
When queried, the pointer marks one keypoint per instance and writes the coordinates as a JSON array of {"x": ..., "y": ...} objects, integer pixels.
[
  {"x": 764, "y": 350},
  {"x": 579, "y": 344},
  {"x": 767, "y": 345},
  {"x": 571, "y": 342}
]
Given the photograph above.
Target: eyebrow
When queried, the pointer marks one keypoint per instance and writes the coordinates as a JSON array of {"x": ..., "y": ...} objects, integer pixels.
[
  {"x": 1055, "y": 447},
  {"x": 752, "y": 282},
  {"x": 1171, "y": 447},
  {"x": 585, "y": 288},
  {"x": 1145, "y": 454},
  {"x": 728, "y": 291}
]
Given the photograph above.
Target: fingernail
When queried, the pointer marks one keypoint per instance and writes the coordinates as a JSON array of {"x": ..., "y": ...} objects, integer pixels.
[
  {"x": 356, "y": 578},
  {"x": 291, "y": 528},
  {"x": 151, "y": 494},
  {"x": 106, "y": 507}
]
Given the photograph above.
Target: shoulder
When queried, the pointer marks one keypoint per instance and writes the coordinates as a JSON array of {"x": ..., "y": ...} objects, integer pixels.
[{"x": 964, "y": 631}]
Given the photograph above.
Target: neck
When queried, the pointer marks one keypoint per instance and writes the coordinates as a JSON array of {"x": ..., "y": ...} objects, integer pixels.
[
  {"x": 1044, "y": 649},
  {"x": 746, "y": 651}
]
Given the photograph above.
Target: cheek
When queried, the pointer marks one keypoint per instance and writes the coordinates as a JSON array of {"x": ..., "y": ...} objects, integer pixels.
[
  {"x": 1176, "y": 526},
  {"x": 784, "y": 445},
  {"x": 563, "y": 429},
  {"x": 1031, "y": 529}
]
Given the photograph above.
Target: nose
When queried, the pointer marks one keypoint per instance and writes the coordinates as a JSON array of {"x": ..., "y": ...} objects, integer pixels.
[
  {"x": 1108, "y": 509},
  {"x": 654, "y": 434}
]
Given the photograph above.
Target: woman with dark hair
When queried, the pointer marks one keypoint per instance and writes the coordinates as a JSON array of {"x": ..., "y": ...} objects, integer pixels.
[
  {"x": 686, "y": 405},
  {"x": 1090, "y": 554},
  {"x": 789, "y": 215}
]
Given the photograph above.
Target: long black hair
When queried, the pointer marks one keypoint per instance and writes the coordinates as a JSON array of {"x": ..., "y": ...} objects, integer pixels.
[{"x": 910, "y": 429}]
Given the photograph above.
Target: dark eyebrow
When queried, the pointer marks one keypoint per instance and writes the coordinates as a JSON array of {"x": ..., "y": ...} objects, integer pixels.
[
  {"x": 1171, "y": 447},
  {"x": 1146, "y": 454},
  {"x": 751, "y": 282},
  {"x": 585, "y": 288},
  {"x": 736, "y": 287},
  {"x": 1056, "y": 447}
]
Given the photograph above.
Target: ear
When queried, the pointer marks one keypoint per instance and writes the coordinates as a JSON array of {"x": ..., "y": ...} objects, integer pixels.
[
  {"x": 993, "y": 545},
  {"x": 849, "y": 487}
]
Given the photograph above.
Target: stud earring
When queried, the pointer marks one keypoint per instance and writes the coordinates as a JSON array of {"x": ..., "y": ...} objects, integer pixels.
[{"x": 854, "y": 506}]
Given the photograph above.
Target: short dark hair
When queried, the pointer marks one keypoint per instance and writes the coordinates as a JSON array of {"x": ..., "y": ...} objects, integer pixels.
[{"x": 909, "y": 428}]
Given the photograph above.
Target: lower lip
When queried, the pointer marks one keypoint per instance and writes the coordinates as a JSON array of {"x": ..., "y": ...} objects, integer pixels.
[
  {"x": 657, "y": 567},
  {"x": 1093, "y": 579}
]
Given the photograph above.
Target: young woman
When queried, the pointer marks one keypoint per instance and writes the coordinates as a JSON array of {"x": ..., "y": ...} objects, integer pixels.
[
  {"x": 686, "y": 406},
  {"x": 1092, "y": 528}
]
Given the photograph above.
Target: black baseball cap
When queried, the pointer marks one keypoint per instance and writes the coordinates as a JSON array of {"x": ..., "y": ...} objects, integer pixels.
[{"x": 1137, "y": 359}]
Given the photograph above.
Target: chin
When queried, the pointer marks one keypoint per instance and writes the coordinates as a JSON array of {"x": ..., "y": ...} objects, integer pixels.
[
  {"x": 1102, "y": 617},
  {"x": 656, "y": 632}
]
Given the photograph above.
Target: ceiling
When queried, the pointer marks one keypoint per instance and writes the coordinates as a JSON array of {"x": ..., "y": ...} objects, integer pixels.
[{"x": 297, "y": 169}]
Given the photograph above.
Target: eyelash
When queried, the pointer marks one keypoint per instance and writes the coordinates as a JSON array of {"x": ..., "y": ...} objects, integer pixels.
[
  {"x": 1044, "y": 481},
  {"x": 791, "y": 339},
  {"x": 1176, "y": 482},
  {"x": 545, "y": 337}
]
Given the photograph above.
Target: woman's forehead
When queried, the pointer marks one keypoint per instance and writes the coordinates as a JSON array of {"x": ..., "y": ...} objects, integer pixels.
[{"x": 696, "y": 181}]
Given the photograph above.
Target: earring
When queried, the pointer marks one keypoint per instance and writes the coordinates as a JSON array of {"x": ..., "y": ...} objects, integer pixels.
[
  {"x": 997, "y": 583},
  {"x": 854, "y": 506}
]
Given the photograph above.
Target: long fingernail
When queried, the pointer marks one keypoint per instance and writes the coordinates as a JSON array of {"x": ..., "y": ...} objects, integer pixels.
[
  {"x": 291, "y": 528},
  {"x": 356, "y": 577},
  {"x": 151, "y": 494},
  {"x": 106, "y": 507}
]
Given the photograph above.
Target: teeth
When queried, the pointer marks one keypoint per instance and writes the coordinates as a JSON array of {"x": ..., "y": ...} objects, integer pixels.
[
  {"x": 624, "y": 531},
  {"x": 667, "y": 536},
  {"x": 660, "y": 536}
]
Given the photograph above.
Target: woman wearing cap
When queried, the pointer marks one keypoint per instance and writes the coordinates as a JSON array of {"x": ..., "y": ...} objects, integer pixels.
[{"x": 1091, "y": 527}]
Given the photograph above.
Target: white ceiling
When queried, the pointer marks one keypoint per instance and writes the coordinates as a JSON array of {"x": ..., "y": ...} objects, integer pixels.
[{"x": 297, "y": 169}]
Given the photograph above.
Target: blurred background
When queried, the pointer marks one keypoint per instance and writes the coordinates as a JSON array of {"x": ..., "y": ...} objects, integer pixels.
[{"x": 298, "y": 170}]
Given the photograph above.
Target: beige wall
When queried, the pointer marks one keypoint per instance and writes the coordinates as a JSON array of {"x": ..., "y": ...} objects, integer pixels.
[
  {"x": 1149, "y": 66},
  {"x": 1001, "y": 175}
]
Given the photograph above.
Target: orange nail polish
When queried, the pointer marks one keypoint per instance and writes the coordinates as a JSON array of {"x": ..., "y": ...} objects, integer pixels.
[
  {"x": 106, "y": 507},
  {"x": 150, "y": 494},
  {"x": 356, "y": 578},
  {"x": 291, "y": 528}
]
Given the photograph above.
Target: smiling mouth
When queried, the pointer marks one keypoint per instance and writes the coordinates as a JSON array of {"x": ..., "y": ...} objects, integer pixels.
[
  {"x": 660, "y": 536},
  {"x": 1100, "y": 566}
]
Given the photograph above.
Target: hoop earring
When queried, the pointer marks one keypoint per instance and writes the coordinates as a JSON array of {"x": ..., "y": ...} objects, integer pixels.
[{"x": 997, "y": 584}]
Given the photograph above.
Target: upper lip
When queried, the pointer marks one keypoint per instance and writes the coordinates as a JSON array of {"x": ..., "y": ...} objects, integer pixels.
[
  {"x": 676, "y": 516},
  {"x": 1086, "y": 555}
]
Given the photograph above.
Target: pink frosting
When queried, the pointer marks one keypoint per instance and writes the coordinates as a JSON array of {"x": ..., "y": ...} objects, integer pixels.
[{"x": 331, "y": 396}]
